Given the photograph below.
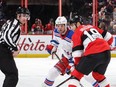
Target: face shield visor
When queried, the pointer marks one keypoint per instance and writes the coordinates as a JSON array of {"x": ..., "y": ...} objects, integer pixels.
[{"x": 27, "y": 16}]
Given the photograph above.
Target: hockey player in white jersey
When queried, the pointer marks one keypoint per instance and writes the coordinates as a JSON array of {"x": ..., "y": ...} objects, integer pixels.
[{"x": 61, "y": 42}]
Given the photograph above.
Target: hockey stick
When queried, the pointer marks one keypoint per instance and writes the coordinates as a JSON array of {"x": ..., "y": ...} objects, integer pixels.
[
  {"x": 66, "y": 81},
  {"x": 67, "y": 78},
  {"x": 60, "y": 60},
  {"x": 63, "y": 82},
  {"x": 81, "y": 85}
]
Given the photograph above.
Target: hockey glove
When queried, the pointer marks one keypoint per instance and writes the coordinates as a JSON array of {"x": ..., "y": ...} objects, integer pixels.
[
  {"x": 70, "y": 66},
  {"x": 69, "y": 69},
  {"x": 51, "y": 49}
]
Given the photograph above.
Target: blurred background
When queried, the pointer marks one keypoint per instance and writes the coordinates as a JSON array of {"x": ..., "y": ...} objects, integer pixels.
[{"x": 44, "y": 12}]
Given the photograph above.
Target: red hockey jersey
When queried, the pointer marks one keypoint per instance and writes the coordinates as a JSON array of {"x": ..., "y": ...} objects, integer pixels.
[{"x": 88, "y": 39}]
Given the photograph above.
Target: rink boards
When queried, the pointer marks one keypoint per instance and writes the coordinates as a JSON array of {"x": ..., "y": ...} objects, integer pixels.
[{"x": 33, "y": 46}]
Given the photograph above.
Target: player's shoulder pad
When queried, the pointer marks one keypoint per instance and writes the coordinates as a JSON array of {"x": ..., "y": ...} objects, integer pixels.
[
  {"x": 56, "y": 30},
  {"x": 56, "y": 33},
  {"x": 70, "y": 33}
]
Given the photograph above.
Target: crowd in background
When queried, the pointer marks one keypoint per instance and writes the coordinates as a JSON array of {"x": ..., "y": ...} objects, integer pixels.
[
  {"x": 39, "y": 28},
  {"x": 106, "y": 18}
]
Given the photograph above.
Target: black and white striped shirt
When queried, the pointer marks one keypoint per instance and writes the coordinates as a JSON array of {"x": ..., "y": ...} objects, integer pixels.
[{"x": 10, "y": 33}]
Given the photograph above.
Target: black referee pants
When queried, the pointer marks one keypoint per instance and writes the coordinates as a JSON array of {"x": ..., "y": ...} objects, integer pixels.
[{"x": 8, "y": 67}]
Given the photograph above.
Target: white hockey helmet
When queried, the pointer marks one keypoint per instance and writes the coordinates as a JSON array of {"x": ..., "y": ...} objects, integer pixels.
[{"x": 61, "y": 20}]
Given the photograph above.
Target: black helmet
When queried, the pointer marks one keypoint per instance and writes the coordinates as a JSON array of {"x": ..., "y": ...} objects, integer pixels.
[
  {"x": 23, "y": 10},
  {"x": 72, "y": 21},
  {"x": 76, "y": 19}
]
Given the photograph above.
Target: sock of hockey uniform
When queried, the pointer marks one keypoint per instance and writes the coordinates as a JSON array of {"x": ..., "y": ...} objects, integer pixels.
[
  {"x": 95, "y": 84},
  {"x": 76, "y": 76},
  {"x": 52, "y": 75},
  {"x": 101, "y": 79},
  {"x": 89, "y": 78},
  {"x": 74, "y": 82},
  {"x": 104, "y": 83}
]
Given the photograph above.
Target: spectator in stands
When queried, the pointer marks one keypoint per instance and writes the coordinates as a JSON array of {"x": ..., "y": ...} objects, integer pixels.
[
  {"x": 114, "y": 21},
  {"x": 37, "y": 27},
  {"x": 101, "y": 13},
  {"x": 109, "y": 7},
  {"x": 114, "y": 29},
  {"x": 110, "y": 27},
  {"x": 102, "y": 25},
  {"x": 114, "y": 14},
  {"x": 49, "y": 27}
]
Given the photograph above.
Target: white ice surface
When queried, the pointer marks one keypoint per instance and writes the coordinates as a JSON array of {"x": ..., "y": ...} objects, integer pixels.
[{"x": 32, "y": 72}]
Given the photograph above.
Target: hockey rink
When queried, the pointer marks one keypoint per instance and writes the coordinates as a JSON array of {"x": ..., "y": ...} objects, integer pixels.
[{"x": 32, "y": 72}]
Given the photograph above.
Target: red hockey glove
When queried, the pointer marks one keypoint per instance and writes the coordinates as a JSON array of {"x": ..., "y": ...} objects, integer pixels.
[
  {"x": 51, "y": 49},
  {"x": 70, "y": 67}
]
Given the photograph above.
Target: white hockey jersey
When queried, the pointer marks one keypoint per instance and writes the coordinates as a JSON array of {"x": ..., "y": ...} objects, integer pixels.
[{"x": 63, "y": 43}]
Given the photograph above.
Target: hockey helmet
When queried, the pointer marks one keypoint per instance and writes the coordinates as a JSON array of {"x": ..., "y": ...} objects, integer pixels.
[
  {"x": 23, "y": 10},
  {"x": 76, "y": 19},
  {"x": 61, "y": 20}
]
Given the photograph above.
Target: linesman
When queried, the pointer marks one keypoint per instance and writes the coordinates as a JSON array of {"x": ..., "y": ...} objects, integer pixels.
[{"x": 9, "y": 37}]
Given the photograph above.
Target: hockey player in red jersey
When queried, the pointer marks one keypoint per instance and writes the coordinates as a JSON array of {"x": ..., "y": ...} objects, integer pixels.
[
  {"x": 75, "y": 22},
  {"x": 62, "y": 43},
  {"x": 92, "y": 46}
]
